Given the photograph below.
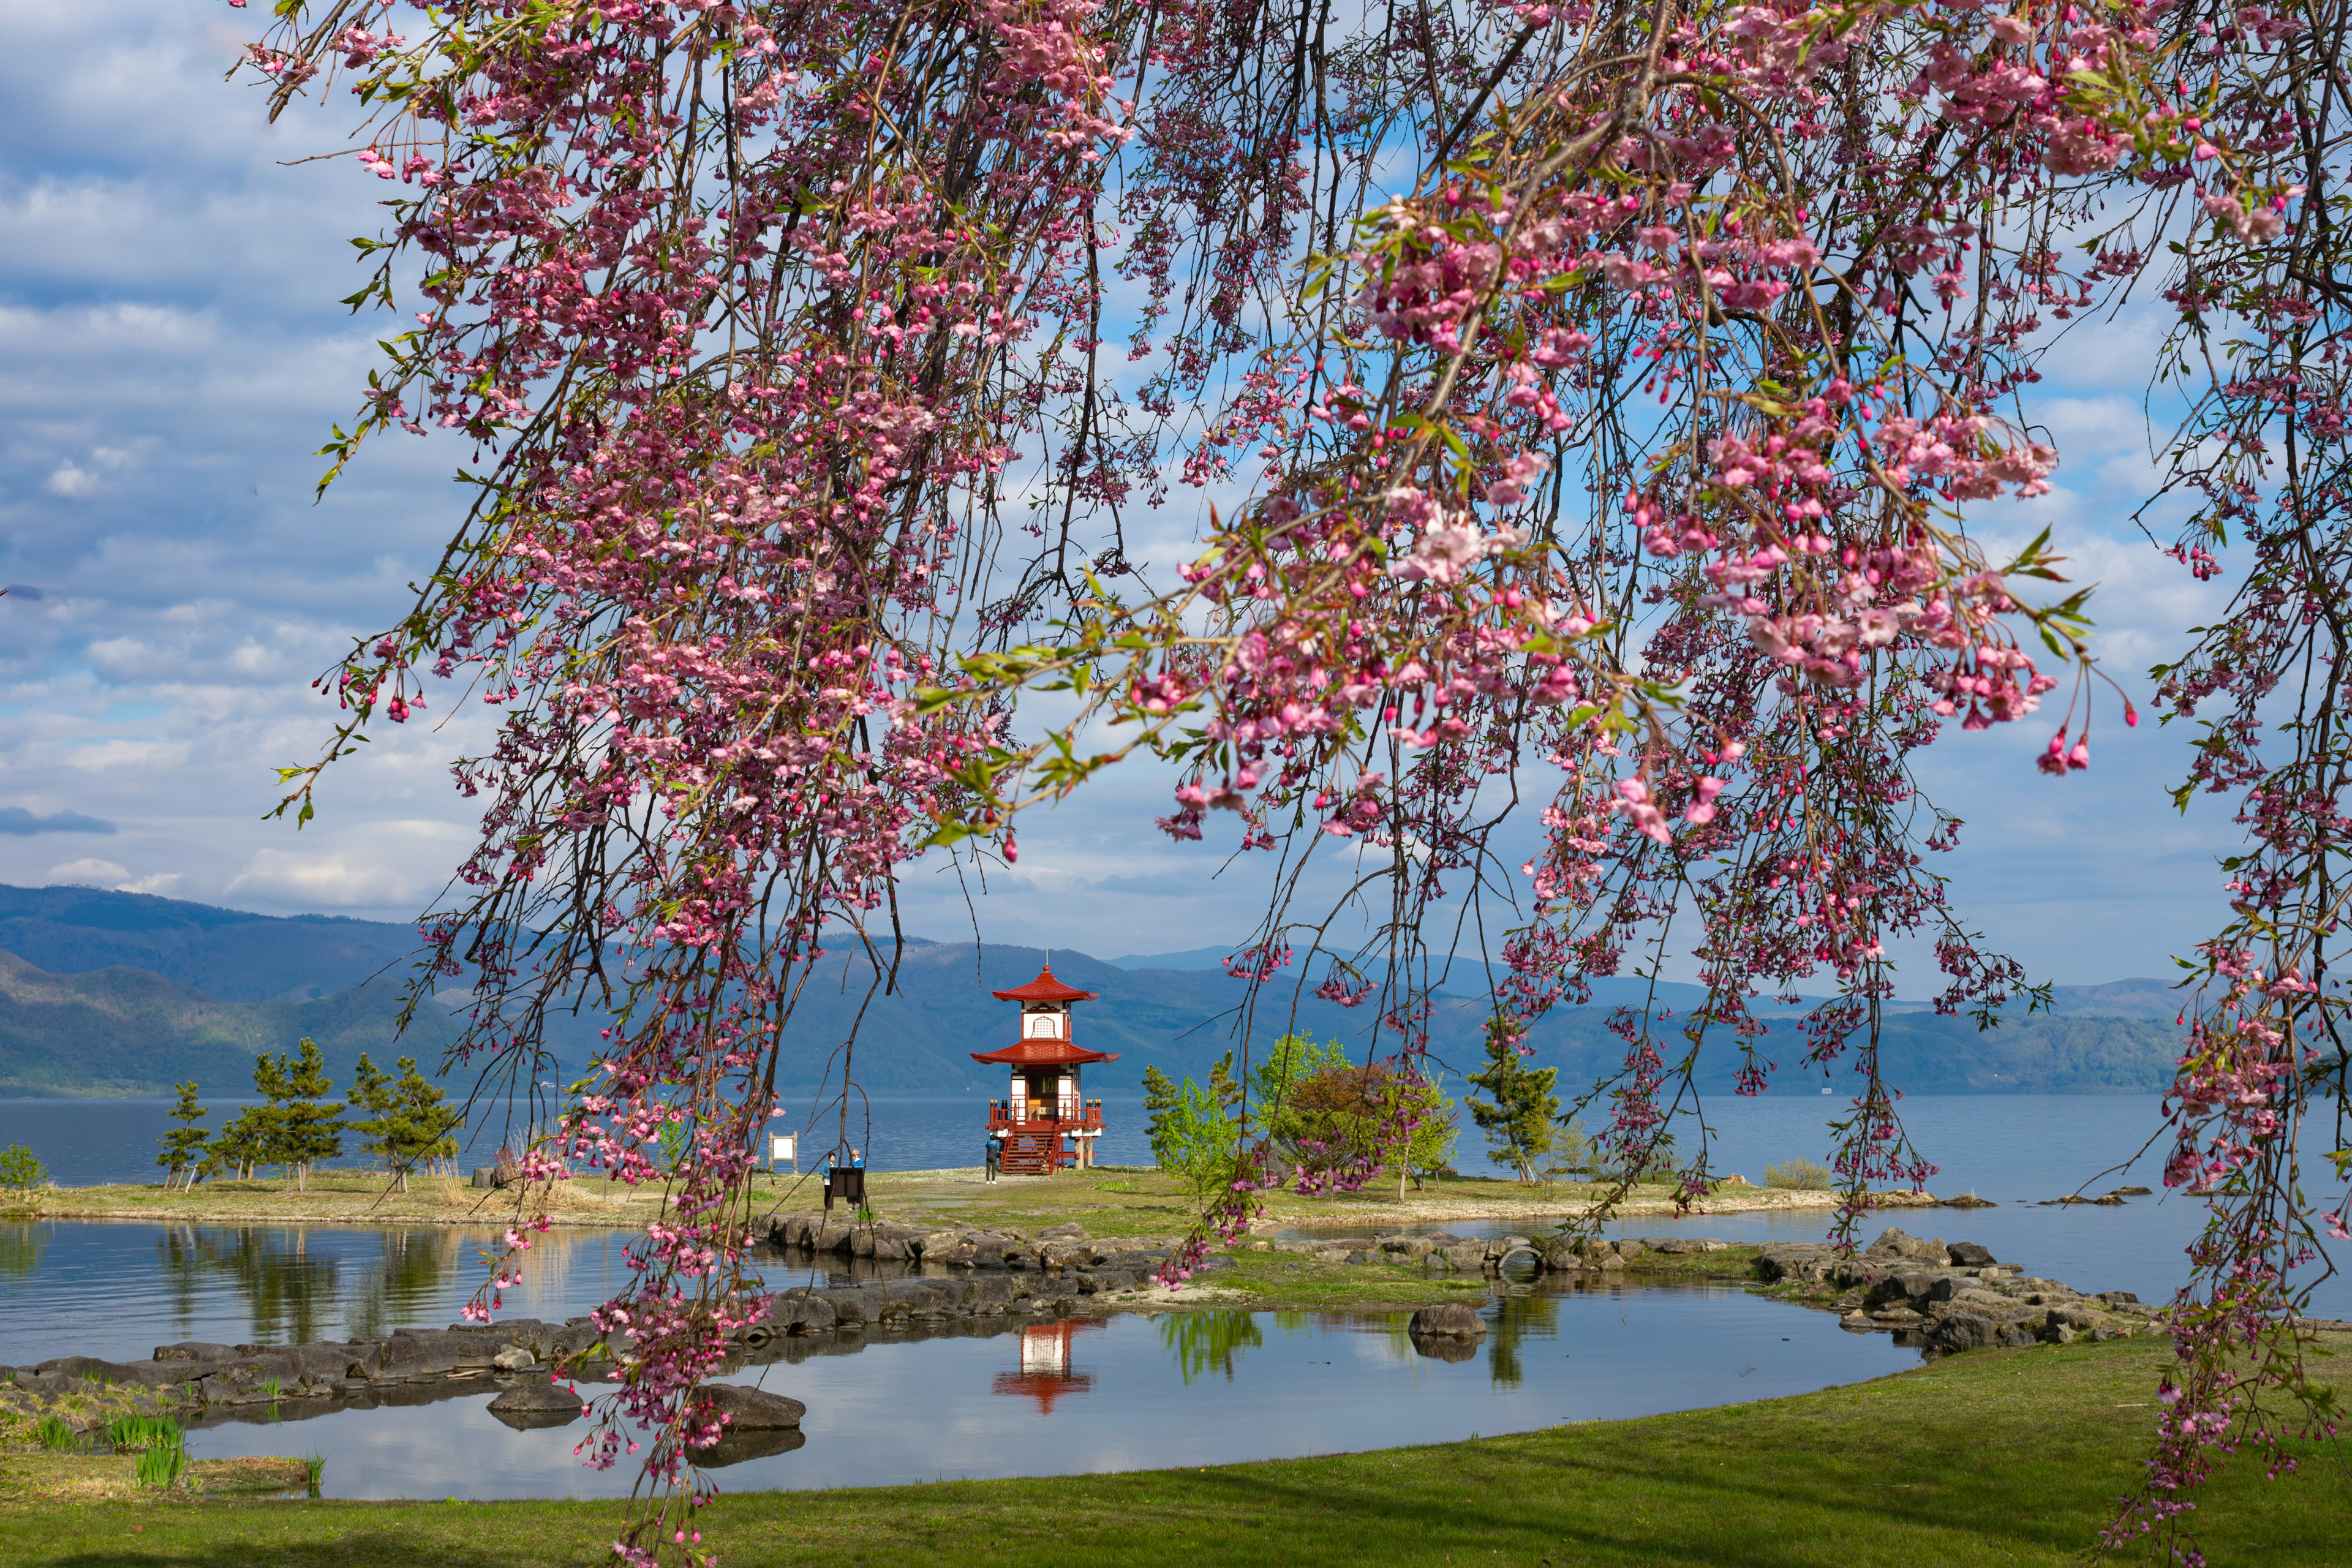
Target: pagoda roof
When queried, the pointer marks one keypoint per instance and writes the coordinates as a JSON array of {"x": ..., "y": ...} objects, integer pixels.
[
  {"x": 1043, "y": 1053},
  {"x": 1045, "y": 988}
]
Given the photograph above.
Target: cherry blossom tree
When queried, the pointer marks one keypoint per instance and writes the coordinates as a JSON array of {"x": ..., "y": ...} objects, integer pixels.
[{"x": 1584, "y": 408}]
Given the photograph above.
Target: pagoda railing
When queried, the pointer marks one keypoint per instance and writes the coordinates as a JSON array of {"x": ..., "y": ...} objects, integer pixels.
[{"x": 1053, "y": 1116}]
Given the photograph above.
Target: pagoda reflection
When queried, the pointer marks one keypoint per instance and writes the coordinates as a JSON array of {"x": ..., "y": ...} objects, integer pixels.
[{"x": 1046, "y": 1373}]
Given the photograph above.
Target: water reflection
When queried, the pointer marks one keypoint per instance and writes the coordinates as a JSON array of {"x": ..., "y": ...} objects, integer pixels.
[
  {"x": 1208, "y": 1339},
  {"x": 21, "y": 1245},
  {"x": 1047, "y": 1372},
  {"x": 290, "y": 1291}
]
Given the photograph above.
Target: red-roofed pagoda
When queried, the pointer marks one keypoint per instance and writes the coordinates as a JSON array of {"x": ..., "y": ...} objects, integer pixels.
[{"x": 1044, "y": 1123}]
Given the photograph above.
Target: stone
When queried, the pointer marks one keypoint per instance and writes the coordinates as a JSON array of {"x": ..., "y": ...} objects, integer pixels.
[
  {"x": 1967, "y": 1201},
  {"x": 1629, "y": 1248},
  {"x": 536, "y": 1406},
  {"x": 1892, "y": 1243},
  {"x": 1968, "y": 1255},
  {"x": 195, "y": 1350},
  {"x": 537, "y": 1398},
  {"x": 1963, "y": 1331},
  {"x": 750, "y": 1409},
  {"x": 1071, "y": 1232},
  {"x": 513, "y": 1358},
  {"x": 1457, "y": 1319},
  {"x": 1466, "y": 1255}
]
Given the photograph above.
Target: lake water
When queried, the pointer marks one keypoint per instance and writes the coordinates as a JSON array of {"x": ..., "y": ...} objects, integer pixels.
[
  {"x": 2017, "y": 1150},
  {"x": 1130, "y": 1392}
]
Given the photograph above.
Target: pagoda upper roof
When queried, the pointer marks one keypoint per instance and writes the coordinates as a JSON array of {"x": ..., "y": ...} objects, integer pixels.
[
  {"x": 1043, "y": 1053},
  {"x": 1045, "y": 988}
]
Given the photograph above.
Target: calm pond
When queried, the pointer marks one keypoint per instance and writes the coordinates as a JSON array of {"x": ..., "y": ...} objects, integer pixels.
[
  {"x": 1130, "y": 1392},
  {"x": 1090, "y": 1393}
]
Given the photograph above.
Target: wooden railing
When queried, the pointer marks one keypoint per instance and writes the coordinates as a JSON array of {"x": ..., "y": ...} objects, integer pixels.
[{"x": 1009, "y": 1115}]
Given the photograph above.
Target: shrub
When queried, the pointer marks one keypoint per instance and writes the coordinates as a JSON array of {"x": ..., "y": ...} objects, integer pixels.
[
  {"x": 1804, "y": 1175},
  {"x": 21, "y": 1170}
]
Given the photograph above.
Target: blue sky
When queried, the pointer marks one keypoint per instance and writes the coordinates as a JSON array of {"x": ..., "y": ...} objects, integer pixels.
[{"x": 170, "y": 357}]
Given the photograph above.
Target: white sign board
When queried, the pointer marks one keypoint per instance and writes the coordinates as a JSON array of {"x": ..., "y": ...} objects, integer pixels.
[{"x": 783, "y": 1146}]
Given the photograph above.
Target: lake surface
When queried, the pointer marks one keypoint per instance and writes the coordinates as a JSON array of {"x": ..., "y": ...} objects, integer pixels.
[
  {"x": 2017, "y": 1150},
  {"x": 1130, "y": 1392}
]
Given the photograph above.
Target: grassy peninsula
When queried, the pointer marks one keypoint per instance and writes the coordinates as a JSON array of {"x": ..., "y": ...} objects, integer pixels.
[
  {"x": 1993, "y": 1456},
  {"x": 1110, "y": 1201}
]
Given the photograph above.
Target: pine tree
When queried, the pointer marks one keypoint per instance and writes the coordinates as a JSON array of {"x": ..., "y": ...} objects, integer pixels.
[
  {"x": 184, "y": 1144},
  {"x": 408, "y": 1123},
  {"x": 245, "y": 1143},
  {"x": 1518, "y": 1120},
  {"x": 299, "y": 1128},
  {"x": 1160, "y": 1097}
]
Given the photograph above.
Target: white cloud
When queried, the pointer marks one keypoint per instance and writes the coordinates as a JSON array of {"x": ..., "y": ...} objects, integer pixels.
[{"x": 89, "y": 872}]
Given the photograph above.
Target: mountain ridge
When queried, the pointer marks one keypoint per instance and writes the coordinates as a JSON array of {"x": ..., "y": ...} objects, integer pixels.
[{"x": 93, "y": 1021}]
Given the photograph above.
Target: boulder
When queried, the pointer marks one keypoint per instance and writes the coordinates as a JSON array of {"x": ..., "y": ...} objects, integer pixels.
[
  {"x": 1458, "y": 1320},
  {"x": 537, "y": 1398},
  {"x": 195, "y": 1350},
  {"x": 536, "y": 1406},
  {"x": 1466, "y": 1255},
  {"x": 512, "y": 1358},
  {"x": 1968, "y": 1255},
  {"x": 1892, "y": 1243},
  {"x": 750, "y": 1409}
]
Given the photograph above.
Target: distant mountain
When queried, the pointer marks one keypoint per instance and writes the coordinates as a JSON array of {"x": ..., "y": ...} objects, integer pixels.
[
  {"x": 119, "y": 993},
  {"x": 125, "y": 1031},
  {"x": 225, "y": 953}
]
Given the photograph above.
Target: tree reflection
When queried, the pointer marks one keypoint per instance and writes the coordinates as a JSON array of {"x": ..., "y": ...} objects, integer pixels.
[
  {"x": 1517, "y": 1317},
  {"x": 291, "y": 1293},
  {"x": 1209, "y": 1338},
  {"x": 22, "y": 1243}
]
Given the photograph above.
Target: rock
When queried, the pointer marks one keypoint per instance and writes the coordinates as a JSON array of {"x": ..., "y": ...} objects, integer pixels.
[
  {"x": 1968, "y": 1255},
  {"x": 750, "y": 1409},
  {"x": 1963, "y": 1331},
  {"x": 1967, "y": 1201},
  {"x": 2130, "y": 1192},
  {"x": 1470, "y": 1256},
  {"x": 537, "y": 1398},
  {"x": 1629, "y": 1248},
  {"x": 2110, "y": 1201},
  {"x": 195, "y": 1350},
  {"x": 1458, "y": 1319},
  {"x": 1072, "y": 1232},
  {"x": 1892, "y": 1243},
  {"x": 513, "y": 1358}
]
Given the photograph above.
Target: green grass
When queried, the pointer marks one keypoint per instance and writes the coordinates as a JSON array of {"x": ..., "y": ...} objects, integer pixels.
[{"x": 1996, "y": 1458}]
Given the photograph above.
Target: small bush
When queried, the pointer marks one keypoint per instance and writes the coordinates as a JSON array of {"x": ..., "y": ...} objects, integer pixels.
[
  {"x": 21, "y": 1170},
  {"x": 1802, "y": 1175}
]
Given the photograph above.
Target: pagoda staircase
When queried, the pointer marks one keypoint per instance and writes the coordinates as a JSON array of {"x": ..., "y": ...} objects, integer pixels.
[{"x": 1030, "y": 1153}]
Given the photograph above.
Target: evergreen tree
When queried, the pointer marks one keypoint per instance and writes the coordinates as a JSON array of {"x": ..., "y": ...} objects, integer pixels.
[
  {"x": 1518, "y": 1121},
  {"x": 1160, "y": 1097},
  {"x": 184, "y": 1146},
  {"x": 301, "y": 1129},
  {"x": 245, "y": 1143},
  {"x": 407, "y": 1121}
]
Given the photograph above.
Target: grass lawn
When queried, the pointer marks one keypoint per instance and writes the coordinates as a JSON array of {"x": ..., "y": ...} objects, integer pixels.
[
  {"x": 1110, "y": 1201},
  {"x": 1997, "y": 1456}
]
